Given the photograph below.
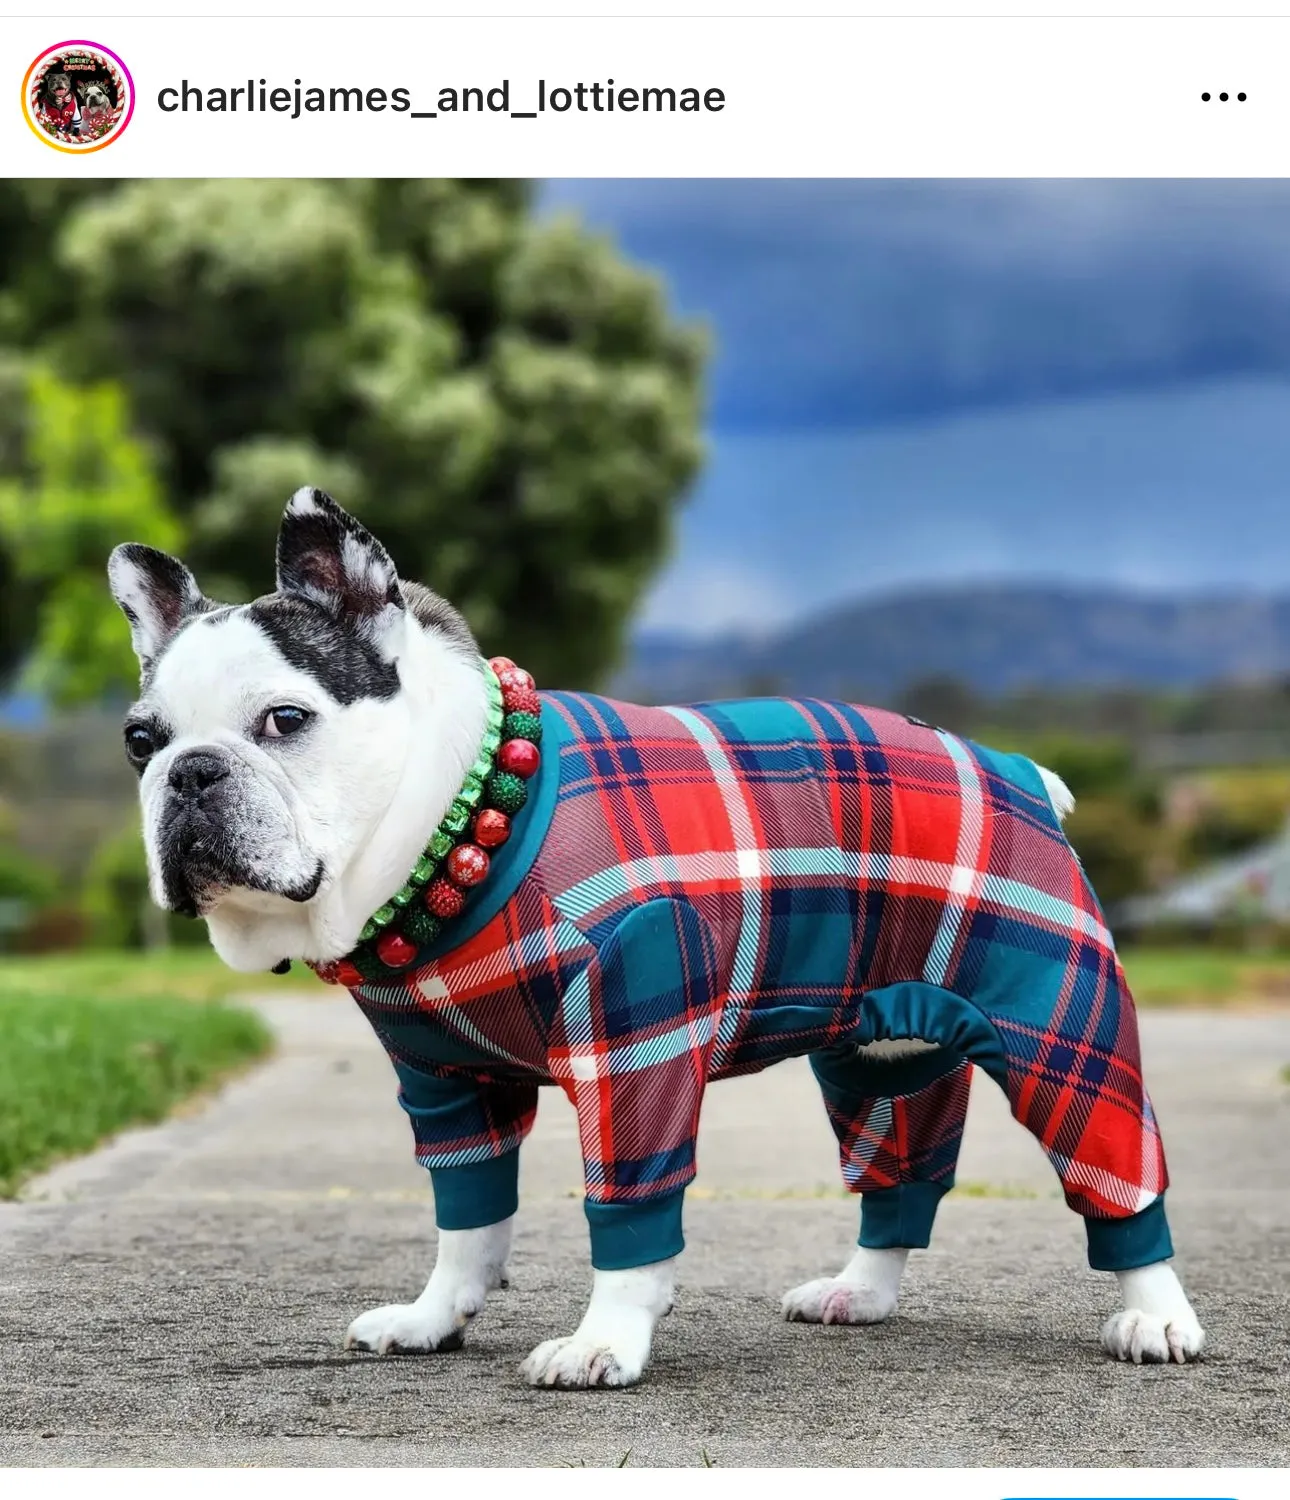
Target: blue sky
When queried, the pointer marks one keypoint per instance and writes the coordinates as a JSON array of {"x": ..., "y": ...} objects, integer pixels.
[{"x": 947, "y": 381}]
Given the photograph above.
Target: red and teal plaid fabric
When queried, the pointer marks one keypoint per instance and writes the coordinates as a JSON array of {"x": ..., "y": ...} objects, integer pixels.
[{"x": 718, "y": 887}]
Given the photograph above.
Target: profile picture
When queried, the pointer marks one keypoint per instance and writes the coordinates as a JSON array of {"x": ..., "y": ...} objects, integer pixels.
[{"x": 78, "y": 96}]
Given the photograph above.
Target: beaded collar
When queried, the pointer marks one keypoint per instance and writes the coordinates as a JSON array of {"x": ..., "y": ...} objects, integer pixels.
[{"x": 456, "y": 859}]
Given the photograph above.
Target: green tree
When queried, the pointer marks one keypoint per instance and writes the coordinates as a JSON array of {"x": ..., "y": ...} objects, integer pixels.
[
  {"x": 78, "y": 483},
  {"x": 1118, "y": 848},
  {"x": 504, "y": 400}
]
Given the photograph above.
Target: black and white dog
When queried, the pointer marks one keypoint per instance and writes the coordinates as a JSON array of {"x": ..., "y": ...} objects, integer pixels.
[{"x": 286, "y": 842}]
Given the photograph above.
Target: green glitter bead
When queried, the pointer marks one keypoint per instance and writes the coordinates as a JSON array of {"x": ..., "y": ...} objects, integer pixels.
[
  {"x": 458, "y": 817},
  {"x": 506, "y": 792},
  {"x": 423, "y": 869},
  {"x": 368, "y": 965},
  {"x": 383, "y": 915},
  {"x": 523, "y": 727},
  {"x": 441, "y": 845},
  {"x": 401, "y": 898},
  {"x": 421, "y": 926},
  {"x": 473, "y": 785},
  {"x": 489, "y": 746},
  {"x": 369, "y": 931}
]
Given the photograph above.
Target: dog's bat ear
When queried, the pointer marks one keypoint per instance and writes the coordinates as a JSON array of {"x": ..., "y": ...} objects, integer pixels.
[
  {"x": 156, "y": 594},
  {"x": 329, "y": 558}
]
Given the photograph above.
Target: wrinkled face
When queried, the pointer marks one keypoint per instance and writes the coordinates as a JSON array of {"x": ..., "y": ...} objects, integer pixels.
[{"x": 269, "y": 738}]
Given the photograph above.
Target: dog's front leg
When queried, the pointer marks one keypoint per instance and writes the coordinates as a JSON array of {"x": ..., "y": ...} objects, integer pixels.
[
  {"x": 470, "y": 1263},
  {"x": 637, "y": 1088},
  {"x": 612, "y": 1343}
]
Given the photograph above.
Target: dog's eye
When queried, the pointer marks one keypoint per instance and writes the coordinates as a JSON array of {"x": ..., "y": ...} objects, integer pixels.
[
  {"x": 280, "y": 722},
  {"x": 140, "y": 745}
]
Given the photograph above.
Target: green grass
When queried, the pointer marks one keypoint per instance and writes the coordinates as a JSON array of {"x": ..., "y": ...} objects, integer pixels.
[
  {"x": 1206, "y": 976},
  {"x": 76, "y": 1068},
  {"x": 997, "y": 1190},
  {"x": 178, "y": 973}
]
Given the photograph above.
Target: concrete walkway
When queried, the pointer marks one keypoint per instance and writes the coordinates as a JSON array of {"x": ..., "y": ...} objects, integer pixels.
[{"x": 180, "y": 1297}]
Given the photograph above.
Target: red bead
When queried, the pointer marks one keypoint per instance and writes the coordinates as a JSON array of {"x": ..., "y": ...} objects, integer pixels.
[
  {"x": 394, "y": 950},
  {"x": 348, "y": 975},
  {"x": 501, "y": 664},
  {"x": 518, "y": 695},
  {"x": 325, "y": 972},
  {"x": 521, "y": 757},
  {"x": 491, "y": 827},
  {"x": 514, "y": 677},
  {"x": 443, "y": 899},
  {"x": 521, "y": 700},
  {"x": 467, "y": 864}
]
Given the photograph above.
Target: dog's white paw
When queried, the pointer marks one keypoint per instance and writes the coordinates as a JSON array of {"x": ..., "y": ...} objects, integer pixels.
[
  {"x": 585, "y": 1359},
  {"x": 470, "y": 1264},
  {"x": 1157, "y": 1323},
  {"x": 612, "y": 1343},
  {"x": 429, "y": 1326},
  {"x": 866, "y": 1291},
  {"x": 1148, "y": 1338},
  {"x": 834, "y": 1300}
]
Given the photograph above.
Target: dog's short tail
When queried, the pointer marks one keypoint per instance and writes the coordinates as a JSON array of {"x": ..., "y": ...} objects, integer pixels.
[{"x": 1059, "y": 794}]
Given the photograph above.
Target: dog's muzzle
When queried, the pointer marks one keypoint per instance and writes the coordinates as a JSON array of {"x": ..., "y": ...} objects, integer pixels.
[
  {"x": 194, "y": 846},
  {"x": 199, "y": 851}
]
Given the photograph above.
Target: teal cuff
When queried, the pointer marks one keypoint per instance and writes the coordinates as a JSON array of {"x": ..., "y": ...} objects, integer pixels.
[
  {"x": 625, "y": 1235},
  {"x": 900, "y": 1217},
  {"x": 1125, "y": 1244},
  {"x": 477, "y": 1194}
]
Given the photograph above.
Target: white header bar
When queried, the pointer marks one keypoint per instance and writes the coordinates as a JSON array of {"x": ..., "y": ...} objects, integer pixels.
[
  {"x": 566, "y": 96},
  {"x": 675, "y": 10}
]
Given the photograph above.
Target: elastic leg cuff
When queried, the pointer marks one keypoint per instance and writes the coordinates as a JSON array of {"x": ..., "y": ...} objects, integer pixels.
[
  {"x": 1125, "y": 1244},
  {"x": 900, "y": 1217},
  {"x": 477, "y": 1194},
  {"x": 625, "y": 1235}
]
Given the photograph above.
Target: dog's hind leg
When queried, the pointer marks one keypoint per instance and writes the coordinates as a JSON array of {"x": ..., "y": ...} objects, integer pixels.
[
  {"x": 898, "y": 1150},
  {"x": 1073, "y": 1076},
  {"x": 1156, "y": 1324},
  {"x": 865, "y": 1290}
]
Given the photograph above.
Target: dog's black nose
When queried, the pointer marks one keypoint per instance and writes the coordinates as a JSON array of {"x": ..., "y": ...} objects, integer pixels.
[{"x": 195, "y": 770}]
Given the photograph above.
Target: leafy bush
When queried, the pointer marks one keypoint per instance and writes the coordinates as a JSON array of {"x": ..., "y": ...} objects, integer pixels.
[
  {"x": 1116, "y": 845},
  {"x": 1233, "y": 810},
  {"x": 25, "y": 887},
  {"x": 1090, "y": 767},
  {"x": 22, "y": 879}
]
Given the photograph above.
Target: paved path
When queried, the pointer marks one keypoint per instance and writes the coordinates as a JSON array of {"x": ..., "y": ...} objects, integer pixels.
[{"x": 180, "y": 1297}]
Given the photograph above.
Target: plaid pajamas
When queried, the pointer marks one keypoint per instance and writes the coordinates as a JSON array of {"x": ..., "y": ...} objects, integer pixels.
[{"x": 694, "y": 893}]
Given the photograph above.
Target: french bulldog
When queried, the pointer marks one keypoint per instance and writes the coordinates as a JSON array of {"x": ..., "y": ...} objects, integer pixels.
[
  {"x": 96, "y": 105},
  {"x": 628, "y": 902}
]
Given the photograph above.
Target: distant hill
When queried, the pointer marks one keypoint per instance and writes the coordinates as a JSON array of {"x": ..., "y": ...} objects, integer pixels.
[{"x": 995, "y": 639}]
